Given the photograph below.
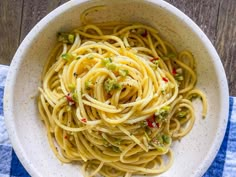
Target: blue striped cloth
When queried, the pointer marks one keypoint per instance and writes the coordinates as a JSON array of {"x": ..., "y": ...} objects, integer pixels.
[{"x": 223, "y": 165}]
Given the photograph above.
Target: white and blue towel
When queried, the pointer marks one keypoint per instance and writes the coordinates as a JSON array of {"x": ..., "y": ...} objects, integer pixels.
[{"x": 224, "y": 164}]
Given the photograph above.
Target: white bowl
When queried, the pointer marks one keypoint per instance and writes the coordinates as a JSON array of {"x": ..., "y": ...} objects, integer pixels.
[{"x": 192, "y": 156}]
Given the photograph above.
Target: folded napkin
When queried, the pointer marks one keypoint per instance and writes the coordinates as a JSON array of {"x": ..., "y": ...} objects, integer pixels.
[{"x": 223, "y": 165}]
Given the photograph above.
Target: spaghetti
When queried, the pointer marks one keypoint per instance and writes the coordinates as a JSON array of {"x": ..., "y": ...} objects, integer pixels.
[{"x": 114, "y": 96}]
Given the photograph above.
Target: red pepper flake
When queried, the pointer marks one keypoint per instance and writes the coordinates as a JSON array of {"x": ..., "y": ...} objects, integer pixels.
[
  {"x": 154, "y": 59},
  {"x": 84, "y": 120},
  {"x": 65, "y": 137},
  {"x": 144, "y": 34},
  {"x": 165, "y": 79},
  {"x": 174, "y": 72},
  {"x": 152, "y": 123},
  {"x": 149, "y": 122},
  {"x": 70, "y": 99}
]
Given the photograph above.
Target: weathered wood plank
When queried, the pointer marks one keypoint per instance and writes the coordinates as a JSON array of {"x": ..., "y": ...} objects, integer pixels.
[
  {"x": 226, "y": 41},
  {"x": 10, "y": 20},
  {"x": 35, "y": 10},
  {"x": 202, "y": 12}
]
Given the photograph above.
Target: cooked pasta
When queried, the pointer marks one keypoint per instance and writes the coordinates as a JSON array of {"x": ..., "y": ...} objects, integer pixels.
[{"x": 114, "y": 96}]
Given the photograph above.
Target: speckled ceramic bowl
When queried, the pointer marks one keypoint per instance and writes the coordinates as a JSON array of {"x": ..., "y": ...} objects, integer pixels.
[{"x": 192, "y": 156}]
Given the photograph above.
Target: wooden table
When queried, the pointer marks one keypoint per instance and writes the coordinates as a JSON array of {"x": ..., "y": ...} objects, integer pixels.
[{"x": 217, "y": 18}]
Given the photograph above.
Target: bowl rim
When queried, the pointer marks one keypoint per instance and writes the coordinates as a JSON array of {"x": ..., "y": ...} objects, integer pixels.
[{"x": 17, "y": 59}]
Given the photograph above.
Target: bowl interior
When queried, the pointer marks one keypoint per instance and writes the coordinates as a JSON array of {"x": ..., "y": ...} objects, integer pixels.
[{"x": 192, "y": 155}]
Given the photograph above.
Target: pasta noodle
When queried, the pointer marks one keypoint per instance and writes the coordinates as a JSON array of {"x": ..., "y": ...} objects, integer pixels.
[{"x": 114, "y": 96}]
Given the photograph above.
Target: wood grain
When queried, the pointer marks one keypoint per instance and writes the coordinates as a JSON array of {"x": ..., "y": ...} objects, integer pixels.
[
  {"x": 35, "y": 10},
  {"x": 203, "y": 12},
  {"x": 10, "y": 20},
  {"x": 226, "y": 41}
]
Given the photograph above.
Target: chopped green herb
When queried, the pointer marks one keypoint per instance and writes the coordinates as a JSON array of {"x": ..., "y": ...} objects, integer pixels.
[
  {"x": 77, "y": 58},
  {"x": 182, "y": 114},
  {"x": 67, "y": 56},
  {"x": 165, "y": 108},
  {"x": 156, "y": 62},
  {"x": 67, "y": 38},
  {"x": 110, "y": 85},
  {"x": 71, "y": 87},
  {"x": 71, "y": 38},
  {"x": 162, "y": 114},
  {"x": 166, "y": 139},
  {"x": 123, "y": 72},
  {"x": 111, "y": 66},
  {"x": 164, "y": 111},
  {"x": 160, "y": 148},
  {"x": 75, "y": 96},
  {"x": 159, "y": 139},
  {"x": 154, "y": 67},
  {"x": 105, "y": 61},
  {"x": 179, "y": 77},
  {"x": 143, "y": 124},
  {"x": 163, "y": 91},
  {"x": 116, "y": 149},
  {"x": 88, "y": 85},
  {"x": 118, "y": 141}
]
